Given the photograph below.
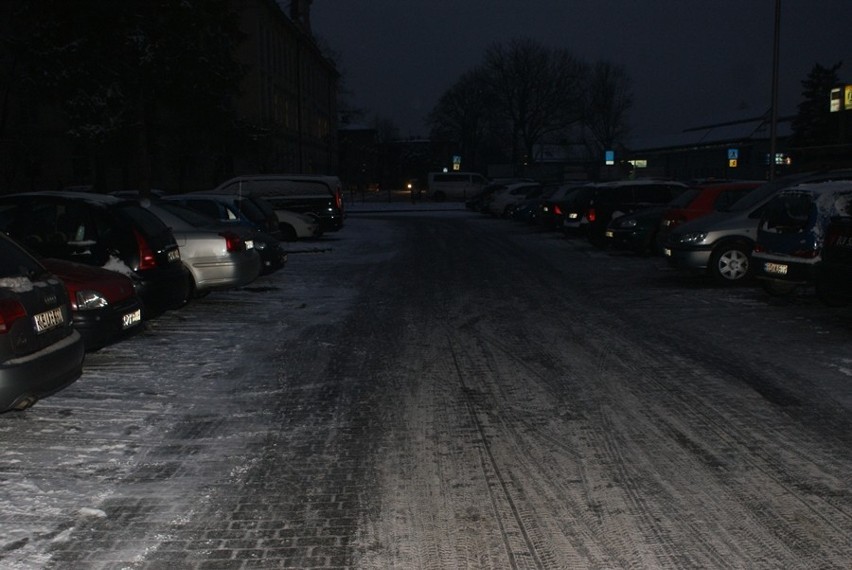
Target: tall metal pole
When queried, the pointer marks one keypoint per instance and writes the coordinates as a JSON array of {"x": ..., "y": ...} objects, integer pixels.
[{"x": 773, "y": 124}]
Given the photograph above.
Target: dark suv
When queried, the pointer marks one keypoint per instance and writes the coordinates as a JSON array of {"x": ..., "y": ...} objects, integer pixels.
[
  {"x": 613, "y": 199},
  {"x": 104, "y": 231},
  {"x": 40, "y": 351}
]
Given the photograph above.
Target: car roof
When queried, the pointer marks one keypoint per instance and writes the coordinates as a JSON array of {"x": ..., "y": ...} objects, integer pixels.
[{"x": 88, "y": 197}]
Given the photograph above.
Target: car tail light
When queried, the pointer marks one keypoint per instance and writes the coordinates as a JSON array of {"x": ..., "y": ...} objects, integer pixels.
[
  {"x": 10, "y": 311},
  {"x": 557, "y": 211},
  {"x": 146, "y": 256},
  {"x": 759, "y": 248},
  {"x": 591, "y": 215},
  {"x": 233, "y": 242},
  {"x": 338, "y": 200}
]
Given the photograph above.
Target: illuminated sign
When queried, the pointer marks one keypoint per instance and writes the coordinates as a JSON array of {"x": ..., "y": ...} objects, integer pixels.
[
  {"x": 836, "y": 99},
  {"x": 732, "y": 163},
  {"x": 609, "y": 157},
  {"x": 841, "y": 99}
]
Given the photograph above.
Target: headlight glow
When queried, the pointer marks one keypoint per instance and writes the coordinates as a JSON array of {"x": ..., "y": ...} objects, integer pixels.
[
  {"x": 694, "y": 237},
  {"x": 87, "y": 300}
]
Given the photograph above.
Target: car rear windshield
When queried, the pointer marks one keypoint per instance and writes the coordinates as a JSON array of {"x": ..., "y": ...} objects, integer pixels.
[{"x": 149, "y": 223}]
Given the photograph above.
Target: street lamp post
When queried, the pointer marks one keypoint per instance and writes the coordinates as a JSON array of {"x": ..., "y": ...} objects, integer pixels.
[{"x": 773, "y": 124}]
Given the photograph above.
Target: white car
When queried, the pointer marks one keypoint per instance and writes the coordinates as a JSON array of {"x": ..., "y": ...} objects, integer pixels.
[
  {"x": 511, "y": 194},
  {"x": 295, "y": 226}
]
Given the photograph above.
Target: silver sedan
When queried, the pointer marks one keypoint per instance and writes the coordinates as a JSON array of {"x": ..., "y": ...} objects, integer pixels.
[{"x": 217, "y": 257}]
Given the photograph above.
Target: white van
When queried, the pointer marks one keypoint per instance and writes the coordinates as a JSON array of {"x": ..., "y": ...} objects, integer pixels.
[{"x": 455, "y": 185}]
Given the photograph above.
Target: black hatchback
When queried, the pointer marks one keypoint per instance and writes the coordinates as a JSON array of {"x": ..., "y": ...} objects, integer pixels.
[{"x": 103, "y": 231}]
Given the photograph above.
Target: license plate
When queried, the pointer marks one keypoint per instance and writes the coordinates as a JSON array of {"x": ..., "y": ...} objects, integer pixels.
[
  {"x": 48, "y": 320},
  {"x": 174, "y": 255},
  {"x": 775, "y": 268},
  {"x": 131, "y": 319},
  {"x": 667, "y": 252},
  {"x": 249, "y": 244},
  {"x": 609, "y": 234}
]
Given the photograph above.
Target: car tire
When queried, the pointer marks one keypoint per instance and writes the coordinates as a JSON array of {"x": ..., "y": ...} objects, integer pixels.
[{"x": 730, "y": 263}]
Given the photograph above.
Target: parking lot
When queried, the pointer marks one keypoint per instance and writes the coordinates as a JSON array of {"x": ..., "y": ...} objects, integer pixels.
[{"x": 433, "y": 388}]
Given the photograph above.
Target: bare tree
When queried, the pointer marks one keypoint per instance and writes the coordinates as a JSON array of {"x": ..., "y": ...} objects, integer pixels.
[
  {"x": 537, "y": 91},
  {"x": 607, "y": 100},
  {"x": 463, "y": 114}
]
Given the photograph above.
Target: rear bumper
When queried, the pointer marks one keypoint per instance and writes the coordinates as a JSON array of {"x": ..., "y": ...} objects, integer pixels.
[
  {"x": 164, "y": 288},
  {"x": 216, "y": 273},
  {"x": 27, "y": 379}
]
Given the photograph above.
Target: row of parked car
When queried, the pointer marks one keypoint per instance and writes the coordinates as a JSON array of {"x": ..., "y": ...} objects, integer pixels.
[
  {"x": 81, "y": 270},
  {"x": 793, "y": 231}
]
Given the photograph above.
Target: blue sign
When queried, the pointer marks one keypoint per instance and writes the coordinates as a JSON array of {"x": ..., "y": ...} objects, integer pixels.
[
  {"x": 609, "y": 157},
  {"x": 733, "y": 153}
]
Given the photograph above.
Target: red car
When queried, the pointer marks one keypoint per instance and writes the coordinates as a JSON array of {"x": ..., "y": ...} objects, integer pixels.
[
  {"x": 104, "y": 304},
  {"x": 702, "y": 199}
]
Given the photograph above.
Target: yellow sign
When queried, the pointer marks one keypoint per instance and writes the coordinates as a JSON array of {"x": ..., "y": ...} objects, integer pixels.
[
  {"x": 732, "y": 163},
  {"x": 847, "y": 99}
]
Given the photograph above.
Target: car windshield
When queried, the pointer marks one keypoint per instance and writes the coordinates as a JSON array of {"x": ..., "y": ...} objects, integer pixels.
[
  {"x": 761, "y": 193},
  {"x": 193, "y": 218}
]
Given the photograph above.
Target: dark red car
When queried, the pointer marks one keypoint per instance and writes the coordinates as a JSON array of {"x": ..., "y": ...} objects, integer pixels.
[
  {"x": 104, "y": 305},
  {"x": 702, "y": 199}
]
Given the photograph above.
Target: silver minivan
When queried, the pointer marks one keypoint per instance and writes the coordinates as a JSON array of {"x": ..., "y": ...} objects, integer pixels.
[
  {"x": 721, "y": 243},
  {"x": 454, "y": 185}
]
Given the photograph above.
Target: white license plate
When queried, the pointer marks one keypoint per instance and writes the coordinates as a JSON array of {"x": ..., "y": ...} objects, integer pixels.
[
  {"x": 249, "y": 244},
  {"x": 609, "y": 234},
  {"x": 775, "y": 268},
  {"x": 49, "y": 319},
  {"x": 131, "y": 319},
  {"x": 667, "y": 252},
  {"x": 174, "y": 255}
]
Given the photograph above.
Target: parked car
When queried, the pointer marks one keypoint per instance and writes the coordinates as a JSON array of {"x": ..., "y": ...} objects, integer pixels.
[
  {"x": 636, "y": 232},
  {"x": 527, "y": 210},
  {"x": 104, "y": 305},
  {"x": 103, "y": 231},
  {"x": 613, "y": 199},
  {"x": 478, "y": 200},
  {"x": 569, "y": 214},
  {"x": 499, "y": 202},
  {"x": 702, "y": 199},
  {"x": 834, "y": 272},
  {"x": 216, "y": 256},
  {"x": 791, "y": 233},
  {"x": 40, "y": 350},
  {"x": 454, "y": 185},
  {"x": 238, "y": 212},
  {"x": 720, "y": 243},
  {"x": 321, "y": 196},
  {"x": 293, "y": 225}
]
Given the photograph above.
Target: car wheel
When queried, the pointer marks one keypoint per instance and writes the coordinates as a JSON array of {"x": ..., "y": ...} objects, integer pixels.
[
  {"x": 729, "y": 263},
  {"x": 778, "y": 288}
]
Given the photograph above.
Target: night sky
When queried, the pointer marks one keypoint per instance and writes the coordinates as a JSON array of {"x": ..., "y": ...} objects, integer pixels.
[{"x": 691, "y": 62}]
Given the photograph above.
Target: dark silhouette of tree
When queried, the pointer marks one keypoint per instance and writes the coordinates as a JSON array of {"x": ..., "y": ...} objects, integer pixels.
[
  {"x": 814, "y": 124},
  {"x": 134, "y": 80},
  {"x": 464, "y": 114},
  {"x": 536, "y": 91},
  {"x": 607, "y": 101}
]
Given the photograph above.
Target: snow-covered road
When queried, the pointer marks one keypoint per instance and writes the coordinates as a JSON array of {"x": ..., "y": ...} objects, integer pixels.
[{"x": 437, "y": 389}]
